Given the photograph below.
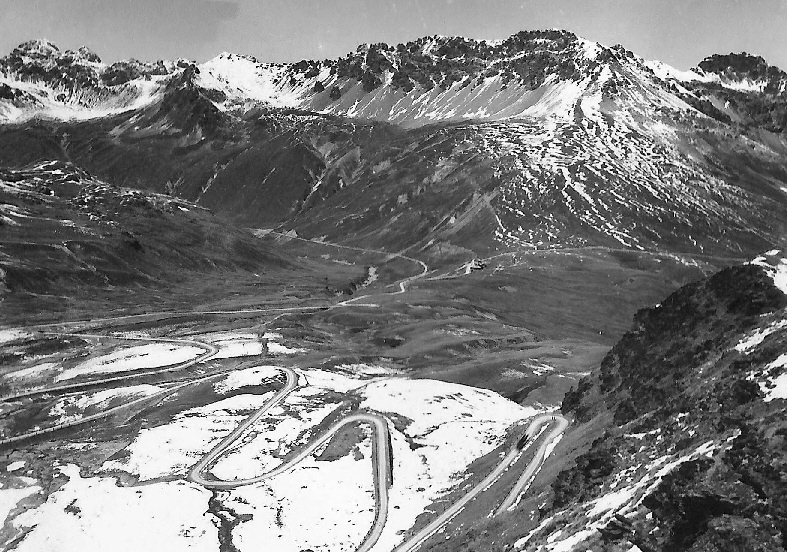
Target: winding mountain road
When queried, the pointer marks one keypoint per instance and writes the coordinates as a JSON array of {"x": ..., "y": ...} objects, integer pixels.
[
  {"x": 414, "y": 542},
  {"x": 210, "y": 352},
  {"x": 381, "y": 460},
  {"x": 524, "y": 481},
  {"x": 381, "y": 452}
]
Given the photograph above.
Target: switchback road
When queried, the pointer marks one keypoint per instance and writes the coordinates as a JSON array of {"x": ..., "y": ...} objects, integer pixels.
[{"x": 381, "y": 460}]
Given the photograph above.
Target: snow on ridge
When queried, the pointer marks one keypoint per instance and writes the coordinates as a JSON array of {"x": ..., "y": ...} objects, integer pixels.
[
  {"x": 754, "y": 339},
  {"x": 775, "y": 266},
  {"x": 83, "y": 104},
  {"x": 617, "y": 501},
  {"x": 665, "y": 71},
  {"x": 590, "y": 49},
  {"x": 244, "y": 79}
]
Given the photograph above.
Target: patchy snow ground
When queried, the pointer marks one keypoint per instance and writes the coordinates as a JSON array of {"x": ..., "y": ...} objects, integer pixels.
[
  {"x": 776, "y": 267},
  {"x": 170, "y": 449},
  {"x": 72, "y": 407},
  {"x": 618, "y": 500},
  {"x": 261, "y": 450},
  {"x": 95, "y": 514},
  {"x": 322, "y": 506},
  {"x": 150, "y": 355},
  {"x": 454, "y": 425},
  {"x": 243, "y": 378}
]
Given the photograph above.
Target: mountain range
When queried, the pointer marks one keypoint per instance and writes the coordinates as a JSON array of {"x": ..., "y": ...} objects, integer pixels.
[
  {"x": 553, "y": 190},
  {"x": 543, "y": 139}
]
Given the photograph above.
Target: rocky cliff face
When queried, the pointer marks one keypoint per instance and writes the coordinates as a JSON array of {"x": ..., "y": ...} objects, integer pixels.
[
  {"x": 677, "y": 441},
  {"x": 688, "y": 412}
]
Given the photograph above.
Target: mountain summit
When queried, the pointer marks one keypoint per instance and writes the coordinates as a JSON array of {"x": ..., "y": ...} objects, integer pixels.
[{"x": 432, "y": 79}]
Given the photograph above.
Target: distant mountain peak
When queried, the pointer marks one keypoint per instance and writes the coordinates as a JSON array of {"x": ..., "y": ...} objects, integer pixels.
[
  {"x": 745, "y": 68},
  {"x": 37, "y": 48}
]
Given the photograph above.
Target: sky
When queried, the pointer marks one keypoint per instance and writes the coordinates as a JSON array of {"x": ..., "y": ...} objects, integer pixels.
[{"x": 678, "y": 32}]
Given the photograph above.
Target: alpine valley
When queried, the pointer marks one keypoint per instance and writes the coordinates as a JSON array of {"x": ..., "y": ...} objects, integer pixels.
[{"x": 526, "y": 294}]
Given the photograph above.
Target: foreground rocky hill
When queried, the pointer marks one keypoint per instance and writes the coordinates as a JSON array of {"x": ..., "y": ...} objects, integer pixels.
[{"x": 678, "y": 438}]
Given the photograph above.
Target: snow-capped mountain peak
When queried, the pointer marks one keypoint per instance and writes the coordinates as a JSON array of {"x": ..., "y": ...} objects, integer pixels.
[{"x": 432, "y": 79}]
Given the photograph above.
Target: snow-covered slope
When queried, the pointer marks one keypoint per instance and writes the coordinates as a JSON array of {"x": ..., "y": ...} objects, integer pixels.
[
  {"x": 434, "y": 79},
  {"x": 38, "y": 80},
  {"x": 547, "y": 139},
  {"x": 324, "y": 503}
]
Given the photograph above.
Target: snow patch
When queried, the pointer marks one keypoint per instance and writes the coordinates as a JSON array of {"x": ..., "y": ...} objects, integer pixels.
[
  {"x": 33, "y": 371},
  {"x": 279, "y": 349},
  {"x": 779, "y": 389},
  {"x": 775, "y": 266},
  {"x": 72, "y": 407},
  {"x": 753, "y": 340},
  {"x": 14, "y": 466},
  {"x": 7, "y": 336},
  {"x": 248, "y": 376}
]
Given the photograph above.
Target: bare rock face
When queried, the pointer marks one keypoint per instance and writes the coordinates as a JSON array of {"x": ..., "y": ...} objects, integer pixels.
[{"x": 691, "y": 372}]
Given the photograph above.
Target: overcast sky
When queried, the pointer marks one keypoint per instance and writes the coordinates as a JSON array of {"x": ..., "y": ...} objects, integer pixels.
[{"x": 679, "y": 32}]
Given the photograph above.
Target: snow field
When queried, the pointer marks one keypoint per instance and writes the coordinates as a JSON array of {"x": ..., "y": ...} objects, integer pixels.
[
  {"x": 10, "y": 497},
  {"x": 329, "y": 505},
  {"x": 95, "y": 514},
  {"x": 323, "y": 506},
  {"x": 170, "y": 449},
  {"x": 12, "y": 335},
  {"x": 151, "y": 355}
]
